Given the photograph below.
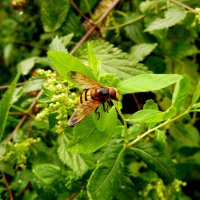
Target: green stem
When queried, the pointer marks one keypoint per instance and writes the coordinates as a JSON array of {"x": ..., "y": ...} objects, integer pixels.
[
  {"x": 124, "y": 24},
  {"x": 157, "y": 127},
  {"x": 19, "y": 109}
]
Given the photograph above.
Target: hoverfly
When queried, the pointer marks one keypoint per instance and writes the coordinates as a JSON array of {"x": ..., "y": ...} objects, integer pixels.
[{"x": 91, "y": 98}]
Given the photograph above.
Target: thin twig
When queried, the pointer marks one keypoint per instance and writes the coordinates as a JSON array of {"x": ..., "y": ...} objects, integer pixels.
[
  {"x": 8, "y": 187},
  {"x": 7, "y": 86},
  {"x": 183, "y": 5},
  {"x": 124, "y": 24},
  {"x": 89, "y": 32},
  {"x": 80, "y": 13},
  {"x": 23, "y": 118}
]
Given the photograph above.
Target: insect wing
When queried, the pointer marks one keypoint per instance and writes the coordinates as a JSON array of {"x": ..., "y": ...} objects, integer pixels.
[
  {"x": 84, "y": 81},
  {"x": 82, "y": 111}
]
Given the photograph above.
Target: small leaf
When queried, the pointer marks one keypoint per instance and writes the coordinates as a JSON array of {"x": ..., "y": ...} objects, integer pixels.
[
  {"x": 26, "y": 65},
  {"x": 105, "y": 179},
  {"x": 180, "y": 92},
  {"x": 47, "y": 173},
  {"x": 63, "y": 63},
  {"x": 53, "y": 14},
  {"x": 5, "y": 104},
  {"x": 172, "y": 16},
  {"x": 73, "y": 160},
  {"x": 147, "y": 82},
  {"x": 33, "y": 85},
  {"x": 57, "y": 45},
  {"x": 157, "y": 163},
  {"x": 93, "y": 62},
  {"x": 196, "y": 94},
  {"x": 46, "y": 96},
  {"x": 140, "y": 51}
]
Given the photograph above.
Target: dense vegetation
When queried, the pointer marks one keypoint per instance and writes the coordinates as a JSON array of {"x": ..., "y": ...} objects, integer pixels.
[{"x": 147, "y": 146}]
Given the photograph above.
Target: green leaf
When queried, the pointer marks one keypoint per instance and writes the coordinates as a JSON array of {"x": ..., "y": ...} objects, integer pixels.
[
  {"x": 196, "y": 94},
  {"x": 148, "y": 116},
  {"x": 93, "y": 62},
  {"x": 73, "y": 25},
  {"x": 147, "y": 82},
  {"x": 57, "y": 45},
  {"x": 185, "y": 135},
  {"x": 172, "y": 16},
  {"x": 63, "y": 63},
  {"x": 5, "y": 104},
  {"x": 46, "y": 96},
  {"x": 53, "y": 13},
  {"x": 135, "y": 31},
  {"x": 90, "y": 136},
  {"x": 33, "y": 84},
  {"x": 113, "y": 60},
  {"x": 47, "y": 173},
  {"x": 105, "y": 179},
  {"x": 75, "y": 161},
  {"x": 159, "y": 164},
  {"x": 180, "y": 92},
  {"x": 26, "y": 65},
  {"x": 140, "y": 51}
]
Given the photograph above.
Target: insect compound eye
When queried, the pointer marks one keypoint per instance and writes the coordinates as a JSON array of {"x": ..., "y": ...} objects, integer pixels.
[
  {"x": 112, "y": 93},
  {"x": 103, "y": 91}
]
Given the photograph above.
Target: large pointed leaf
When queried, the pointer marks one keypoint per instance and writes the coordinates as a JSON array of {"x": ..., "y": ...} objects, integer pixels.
[
  {"x": 105, "y": 180},
  {"x": 147, "y": 82},
  {"x": 6, "y": 103},
  {"x": 157, "y": 163},
  {"x": 63, "y": 63},
  {"x": 53, "y": 13}
]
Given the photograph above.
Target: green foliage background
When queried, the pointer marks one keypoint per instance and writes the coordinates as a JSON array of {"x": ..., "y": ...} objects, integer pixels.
[{"x": 147, "y": 146}]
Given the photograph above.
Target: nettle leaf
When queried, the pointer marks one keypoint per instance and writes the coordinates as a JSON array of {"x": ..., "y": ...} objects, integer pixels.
[
  {"x": 53, "y": 13},
  {"x": 74, "y": 161},
  {"x": 106, "y": 178},
  {"x": 47, "y": 173},
  {"x": 5, "y": 104},
  {"x": 113, "y": 60},
  {"x": 147, "y": 82},
  {"x": 90, "y": 136},
  {"x": 196, "y": 94},
  {"x": 140, "y": 51},
  {"x": 63, "y": 63},
  {"x": 158, "y": 163},
  {"x": 173, "y": 16}
]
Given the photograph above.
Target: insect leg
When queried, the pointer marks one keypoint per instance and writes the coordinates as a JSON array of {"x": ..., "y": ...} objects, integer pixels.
[{"x": 97, "y": 112}]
